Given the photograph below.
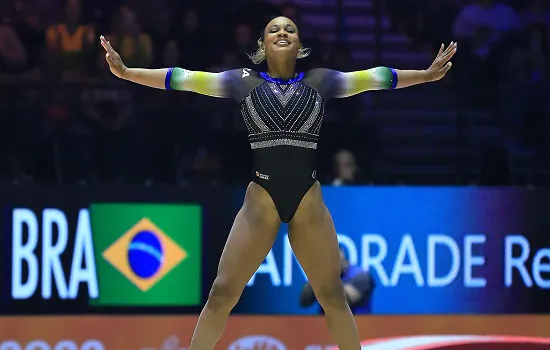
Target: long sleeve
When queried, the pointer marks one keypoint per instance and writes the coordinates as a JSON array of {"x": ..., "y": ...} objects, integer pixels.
[
  {"x": 204, "y": 83},
  {"x": 379, "y": 78},
  {"x": 353, "y": 83}
]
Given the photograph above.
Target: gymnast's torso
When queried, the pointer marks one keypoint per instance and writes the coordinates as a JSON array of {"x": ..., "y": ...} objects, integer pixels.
[{"x": 283, "y": 119}]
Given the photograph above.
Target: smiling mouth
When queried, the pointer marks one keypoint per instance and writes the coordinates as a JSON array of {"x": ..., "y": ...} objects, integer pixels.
[{"x": 282, "y": 42}]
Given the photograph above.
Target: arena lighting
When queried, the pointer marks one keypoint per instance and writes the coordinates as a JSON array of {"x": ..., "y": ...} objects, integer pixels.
[{"x": 451, "y": 342}]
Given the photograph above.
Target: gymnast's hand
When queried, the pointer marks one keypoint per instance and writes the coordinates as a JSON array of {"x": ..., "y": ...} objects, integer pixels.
[
  {"x": 112, "y": 57},
  {"x": 442, "y": 64}
]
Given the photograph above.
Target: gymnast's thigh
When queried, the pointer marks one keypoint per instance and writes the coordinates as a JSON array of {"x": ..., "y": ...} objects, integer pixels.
[{"x": 253, "y": 233}]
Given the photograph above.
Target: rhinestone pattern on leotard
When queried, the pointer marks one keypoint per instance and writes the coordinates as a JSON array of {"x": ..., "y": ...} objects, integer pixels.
[{"x": 283, "y": 115}]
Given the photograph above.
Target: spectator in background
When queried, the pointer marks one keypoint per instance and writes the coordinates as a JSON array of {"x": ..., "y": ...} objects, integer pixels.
[
  {"x": 345, "y": 168},
  {"x": 358, "y": 287},
  {"x": 133, "y": 42},
  {"x": 13, "y": 56},
  {"x": 483, "y": 30},
  {"x": 32, "y": 35},
  {"x": 482, "y": 25},
  {"x": 70, "y": 42},
  {"x": 485, "y": 22}
]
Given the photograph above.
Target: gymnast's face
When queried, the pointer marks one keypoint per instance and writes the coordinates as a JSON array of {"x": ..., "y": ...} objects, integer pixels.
[{"x": 281, "y": 38}]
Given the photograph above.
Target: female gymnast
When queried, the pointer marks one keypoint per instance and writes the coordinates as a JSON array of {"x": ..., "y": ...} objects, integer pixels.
[{"x": 283, "y": 112}]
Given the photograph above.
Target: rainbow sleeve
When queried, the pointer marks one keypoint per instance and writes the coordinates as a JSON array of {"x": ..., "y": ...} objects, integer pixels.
[
  {"x": 204, "y": 83},
  {"x": 353, "y": 83}
]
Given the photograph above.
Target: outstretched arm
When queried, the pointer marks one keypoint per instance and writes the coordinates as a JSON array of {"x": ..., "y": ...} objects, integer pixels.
[
  {"x": 205, "y": 83},
  {"x": 384, "y": 78}
]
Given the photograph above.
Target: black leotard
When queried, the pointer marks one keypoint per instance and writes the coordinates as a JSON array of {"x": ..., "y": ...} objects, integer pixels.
[{"x": 283, "y": 119}]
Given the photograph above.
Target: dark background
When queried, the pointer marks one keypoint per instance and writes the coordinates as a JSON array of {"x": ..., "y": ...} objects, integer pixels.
[{"x": 66, "y": 119}]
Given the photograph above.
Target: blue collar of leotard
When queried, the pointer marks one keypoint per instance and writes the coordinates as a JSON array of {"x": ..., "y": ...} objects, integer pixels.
[{"x": 298, "y": 77}]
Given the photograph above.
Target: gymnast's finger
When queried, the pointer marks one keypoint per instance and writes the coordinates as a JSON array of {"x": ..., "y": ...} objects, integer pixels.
[
  {"x": 448, "y": 49},
  {"x": 452, "y": 48},
  {"x": 448, "y": 55},
  {"x": 106, "y": 44},
  {"x": 447, "y": 68},
  {"x": 441, "y": 49}
]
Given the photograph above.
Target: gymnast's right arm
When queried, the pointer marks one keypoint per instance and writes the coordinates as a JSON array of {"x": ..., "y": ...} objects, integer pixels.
[{"x": 204, "y": 83}]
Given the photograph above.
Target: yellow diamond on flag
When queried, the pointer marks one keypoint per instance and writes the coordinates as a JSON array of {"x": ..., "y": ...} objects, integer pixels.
[{"x": 169, "y": 256}]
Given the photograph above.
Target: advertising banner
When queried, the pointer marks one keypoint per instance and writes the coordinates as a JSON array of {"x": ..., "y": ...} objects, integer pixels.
[
  {"x": 112, "y": 250},
  {"x": 430, "y": 250},
  {"x": 254, "y": 332}
]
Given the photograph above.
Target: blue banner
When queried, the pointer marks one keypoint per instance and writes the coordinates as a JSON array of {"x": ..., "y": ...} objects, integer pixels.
[{"x": 431, "y": 250}]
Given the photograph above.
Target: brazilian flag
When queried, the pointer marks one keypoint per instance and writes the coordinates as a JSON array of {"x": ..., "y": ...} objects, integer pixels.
[{"x": 147, "y": 254}]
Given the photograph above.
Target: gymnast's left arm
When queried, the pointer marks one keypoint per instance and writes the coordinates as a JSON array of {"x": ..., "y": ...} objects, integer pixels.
[
  {"x": 204, "y": 83},
  {"x": 384, "y": 78}
]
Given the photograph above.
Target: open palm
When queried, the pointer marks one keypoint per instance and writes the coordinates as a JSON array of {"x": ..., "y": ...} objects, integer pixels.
[
  {"x": 441, "y": 65},
  {"x": 112, "y": 57}
]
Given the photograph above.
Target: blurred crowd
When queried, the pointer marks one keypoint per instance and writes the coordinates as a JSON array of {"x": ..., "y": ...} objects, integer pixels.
[
  {"x": 67, "y": 120},
  {"x": 502, "y": 66}
]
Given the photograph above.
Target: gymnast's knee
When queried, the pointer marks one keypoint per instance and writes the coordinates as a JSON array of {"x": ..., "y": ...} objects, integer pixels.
[
  {"x": 331, "y": 295},
  {"x": 223, "y": 295}
]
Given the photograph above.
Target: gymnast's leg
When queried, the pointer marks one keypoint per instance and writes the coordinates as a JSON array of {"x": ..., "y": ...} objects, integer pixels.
[
  {"x": 251, "y": 237},
  {"x": 313, "y": 239}
]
